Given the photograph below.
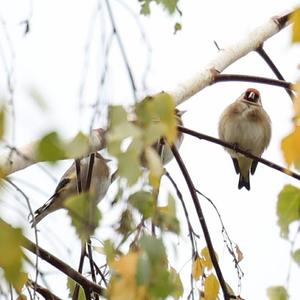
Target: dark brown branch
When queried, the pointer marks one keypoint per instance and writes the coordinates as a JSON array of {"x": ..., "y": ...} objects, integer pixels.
[
  {"x": 202, "y": 221},
  {"x": 256, "y": 79},
  {"x": 80, "y": 268},
  {"x": 268, "y": 163},
  {"x": 63, "y": 267},
  {"x": 263, "y": 54},
  {"x": 78, "y": 175},
  {"x": 45, "y": 293}
]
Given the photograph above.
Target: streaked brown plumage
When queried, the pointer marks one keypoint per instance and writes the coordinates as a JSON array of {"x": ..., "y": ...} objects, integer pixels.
[
  {"x": 246, "y": 124},
  {"x": 67, "y": 185}
]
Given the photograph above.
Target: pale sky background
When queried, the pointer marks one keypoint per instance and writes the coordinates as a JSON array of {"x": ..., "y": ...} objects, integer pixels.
[{"x": 51, "y": 60}]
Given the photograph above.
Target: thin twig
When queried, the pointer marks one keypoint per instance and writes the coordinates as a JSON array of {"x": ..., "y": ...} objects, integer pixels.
[
  {"x": 31, "y": 214},
  {"x": 190, "y": 228},
  {"x": 263, "y": 54},
  {"x": 122, "y": 49},
  {"x": 211, "y": 139},
  {"x": 227, "y": 240},
  {"x": 202, "y": 222}
]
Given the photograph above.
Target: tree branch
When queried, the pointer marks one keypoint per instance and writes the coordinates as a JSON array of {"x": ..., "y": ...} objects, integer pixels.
[
  {"x": 17, "y": 159},
  {"x": 202, "y": 222},
  {"x": 63, "y": 267},
  {"x": 257, "y": 79},
  {"x": 263, "y": 54},
  {"x": 228, "y": 56},
  {"x": 211, "y": 139},
  {"x": 45, "y": 293}
]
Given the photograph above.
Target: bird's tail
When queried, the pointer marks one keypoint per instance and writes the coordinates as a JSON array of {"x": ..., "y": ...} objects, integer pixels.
[
  {"x": 244, "y": 181},
  {"x": 40, "y": 214}
]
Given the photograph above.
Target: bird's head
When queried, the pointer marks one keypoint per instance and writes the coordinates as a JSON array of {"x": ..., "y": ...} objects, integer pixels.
[{"x": 252, "y": 95}]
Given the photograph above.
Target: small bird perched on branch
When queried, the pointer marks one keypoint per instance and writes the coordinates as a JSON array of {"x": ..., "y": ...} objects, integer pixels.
[
  {"x": 245, "y": 124},
  {"x": 166, "y": 152},
  {"x": 67, "y": 186}
]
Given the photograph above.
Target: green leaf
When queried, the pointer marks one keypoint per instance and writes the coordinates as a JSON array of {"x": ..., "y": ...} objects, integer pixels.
[
  {"x": 109, "y": 250},
  {"x": 277, "y": 293},
  {"x": 166, "y": 216},
  {"x": 155, "y": 249},
  {"x": 177, "y": 284},
  {"x": 295, "y": 20},
  {"x": 177, "y": 27},
  {"x": 288, "y": 208},
  {"x": 145, "y": 9},
  {"x": 71, "y": 287},
  {"x": 11, "y": 255},
  {"x": 143, "y": 271},
  {"x": 78, "y": 146},
  {"x": 84, "y": 214},
  {"x": 161, "y": 285},
  {"x": 50, "y": 148},
  {"x": 296, "y": 256},
  {"x": 125, "y": 223},
  {"x": 117, "y": 115},
  {"x": 129, "y": 166},
  {"x": 143, "y": 202},
  {"x": 170, "y": 5}
]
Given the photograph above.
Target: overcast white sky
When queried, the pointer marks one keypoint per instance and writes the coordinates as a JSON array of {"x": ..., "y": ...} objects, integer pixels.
[{"x": 51, "y": 60}]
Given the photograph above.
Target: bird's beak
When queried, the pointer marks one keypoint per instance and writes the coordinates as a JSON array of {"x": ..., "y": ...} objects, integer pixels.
[{"x": 252, "y": 96}]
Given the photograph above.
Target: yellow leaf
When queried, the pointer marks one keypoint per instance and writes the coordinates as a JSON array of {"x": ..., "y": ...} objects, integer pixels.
[
  {"x": 154, "y": 165},
  {"x": 295, "y": 19},
  {"x": 197, "y": 268},
  {"x": 296, "y": 101},
  {"x": 211, "y": 287},
  {"x": 290, "y": 146},
  {"x": 206, "y": 258},
  {"x": 123, "y": 282}
]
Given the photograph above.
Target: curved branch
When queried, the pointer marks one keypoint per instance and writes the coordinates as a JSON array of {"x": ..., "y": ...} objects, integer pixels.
[
  {"x": 62, "y": 266},
  {"x": 257, "y": 79},
  {"x": 228, "y": 56},
  {"x": 211, "y": 139}
]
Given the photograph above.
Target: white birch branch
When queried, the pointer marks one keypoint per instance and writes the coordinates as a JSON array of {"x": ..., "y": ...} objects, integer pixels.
[
  {"x": 18, "y": 159},
  {"x": 228, "y": 56}
]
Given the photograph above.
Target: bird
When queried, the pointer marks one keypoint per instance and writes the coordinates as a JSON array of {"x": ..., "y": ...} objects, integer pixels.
[
  {"x": 165, "y": 150},
  {"x": 67, "y": 186},
  {"x": 245, "y": 124}
]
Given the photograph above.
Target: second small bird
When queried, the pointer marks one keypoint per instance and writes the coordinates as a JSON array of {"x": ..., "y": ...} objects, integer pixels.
[
  {"x": 246, "y": 124},
  {"x": 67, "y": 186}
]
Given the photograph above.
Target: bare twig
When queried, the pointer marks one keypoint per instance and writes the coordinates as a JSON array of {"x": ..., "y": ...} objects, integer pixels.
[
  {"x": 31, "y": 214},
  {"x": 202, "y": 222},
  {"x": 261, "y": 51},
  {"x": 122, "y": 49}
]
